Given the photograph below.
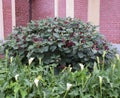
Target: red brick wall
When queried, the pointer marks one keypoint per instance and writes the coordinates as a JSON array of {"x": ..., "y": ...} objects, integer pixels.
[
  {"x": 22, "y": 12},
  {"x": 42, "y": 9},
  {"x": 80, "y": 9},
  {"x": 62, "y": 8},
  {"x": 7, "y": 17},
  {"x": 110, "y": 20},
  {"x": 109, "y": 14}
]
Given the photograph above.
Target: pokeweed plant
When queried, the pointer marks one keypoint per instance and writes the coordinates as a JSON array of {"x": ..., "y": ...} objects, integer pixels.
[{"x": 63, "y": 41}]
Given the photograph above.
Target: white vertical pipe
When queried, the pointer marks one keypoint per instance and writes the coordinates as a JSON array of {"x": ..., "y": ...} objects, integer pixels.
[
  {"x": 94, "y": 11},
  {"x": 70, "y": 8},
  {"x": 1, "y": 21},
  {"x": 13, "y": 14},
  {"x": 56, "y": 8}
]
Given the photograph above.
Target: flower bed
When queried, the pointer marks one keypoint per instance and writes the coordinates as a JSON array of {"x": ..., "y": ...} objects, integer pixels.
[{"x": 20, "y": 81}]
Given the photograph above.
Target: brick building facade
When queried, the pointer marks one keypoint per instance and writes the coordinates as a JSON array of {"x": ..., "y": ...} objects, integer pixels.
[{"x": 104, "y": 13}]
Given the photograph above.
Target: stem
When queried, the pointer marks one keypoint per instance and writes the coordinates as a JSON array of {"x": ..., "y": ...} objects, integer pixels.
[
  {"x": 101, "y": 90},
  {"x": 65, "y": 94},
  {"x": 15, "y": 95},
  {"x": 86, "y": 81},
  {"x": 98, "y": 66},
  {"x": 82, "y": 84},
  {"x": 6, "y": 57},
  {"x": 103, "y": 64}
]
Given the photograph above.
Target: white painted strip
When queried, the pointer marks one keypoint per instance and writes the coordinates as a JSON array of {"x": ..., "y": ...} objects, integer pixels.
[
  {"x": 70, "y": 8},
  {"x": 94, "y": 11},
  {"x": 13, "y": 14},
  {"x": 1, "y": 21},
  {"x": 56, "y": 8}
]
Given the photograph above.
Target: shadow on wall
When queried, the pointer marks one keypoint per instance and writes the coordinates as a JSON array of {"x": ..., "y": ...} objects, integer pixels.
[{"x": 117, "y": 46}]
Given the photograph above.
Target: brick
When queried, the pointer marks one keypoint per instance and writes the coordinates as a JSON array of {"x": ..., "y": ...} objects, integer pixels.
[
  {"x": 80, "y": 7},
  {"x": 42, "y": 9},
  {"x": 7, "y": 17},
  {"x": 62, "y": 8},
  {"x": 22, "y": 12},
  {"x": 110, "y": 20}
]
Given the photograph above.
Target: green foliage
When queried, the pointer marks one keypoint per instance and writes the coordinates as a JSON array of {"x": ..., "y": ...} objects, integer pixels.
[
  {"x": 19, "y": 81},
  {"x": 60, "y": 41},
  {"x": 1, "y": 47}
]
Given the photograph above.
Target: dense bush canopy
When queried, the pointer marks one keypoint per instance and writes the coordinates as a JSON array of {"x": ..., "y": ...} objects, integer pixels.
[{"x": 63, "y": 41}]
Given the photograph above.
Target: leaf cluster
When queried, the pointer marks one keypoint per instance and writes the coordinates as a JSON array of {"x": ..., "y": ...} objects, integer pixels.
[{"x": 62, "y": 41}]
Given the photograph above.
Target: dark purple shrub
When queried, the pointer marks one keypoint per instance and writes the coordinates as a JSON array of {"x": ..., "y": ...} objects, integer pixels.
[{"x": 63, "y": 41}]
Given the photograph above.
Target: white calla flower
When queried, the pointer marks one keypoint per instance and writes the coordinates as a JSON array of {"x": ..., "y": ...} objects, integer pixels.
[
  {"x": 70, "y": 69},
  {"x": 98, "y": 60},
  {"x": 81, "y": 66},
  {"x": 69, "y": 86},
  {"x": 36, "y": 81},
  {"x": 30, "y": 60},
  {"x": 100, "y": 79},
  {"x": 11, "y": 59},
  {"x": 104, "y": 53},
  {"x": 16, "y": 77},
  {"x": 113, "y": 66},
  {"x": 117, "y": 56}
]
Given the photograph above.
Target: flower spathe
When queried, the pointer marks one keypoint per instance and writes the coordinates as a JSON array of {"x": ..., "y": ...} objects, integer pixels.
[
  {"x": 117, "y": 56},
  {"x": 11, "y": 59},
  {"x": 113, "y": 67},
  {"x": 36, "y": 81},
  {"x": 16, "y": 77},
  {"x": 100, "y": 79},
  {"x": 70, "y": 69},
  {"x": 104, "y": 53},
  {"x": 81, "y": 66},
  {"x": 30, "y": 60},
  {"x": 98, "y": 60},
  {"x": 69, "y": 86}
]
